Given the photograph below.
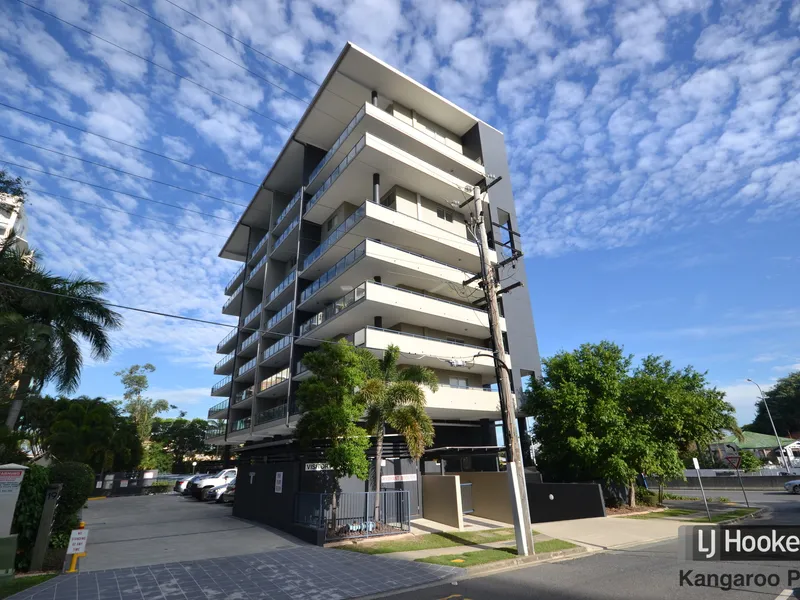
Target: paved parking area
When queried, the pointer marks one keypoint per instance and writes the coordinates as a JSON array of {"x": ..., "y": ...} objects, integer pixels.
[
  {"x": 149, "y": 530},
  {"x": 301, "y": 573}
]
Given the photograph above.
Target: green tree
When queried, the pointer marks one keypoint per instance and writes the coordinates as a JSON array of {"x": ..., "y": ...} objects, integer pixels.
[
  {"x": 784, "y": 404},
  {"x": 141, "y": 409},
  {"x": 395, "y": 397},
  {"x": 181, "y": 438},
  {"x": 750, "y": 462},
  {"x": 155, "y": 456}
]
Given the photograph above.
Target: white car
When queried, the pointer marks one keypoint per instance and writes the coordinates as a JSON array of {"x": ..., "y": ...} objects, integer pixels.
[
  {"x": 793, "y": 486},
  {"x": 199, "y": 486}
]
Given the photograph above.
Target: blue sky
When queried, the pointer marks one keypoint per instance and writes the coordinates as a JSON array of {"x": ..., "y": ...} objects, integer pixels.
[{"x": 653, "y": 148}]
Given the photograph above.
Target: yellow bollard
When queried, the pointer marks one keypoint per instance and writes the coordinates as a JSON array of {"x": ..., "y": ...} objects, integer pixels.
[{"x": 73, "y": 565}]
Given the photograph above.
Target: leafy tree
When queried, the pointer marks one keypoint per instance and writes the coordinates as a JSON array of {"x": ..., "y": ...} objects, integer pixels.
[
  {"x": 750, "y": 462},
  {"x": 13, "y": 186},
  {"x": 784, "y": 405},
  {"x": 141, "y": 409},
  {"x": 180, "y": 437},
  {"x": 157, "y": 457},
  {"x": 395, "y": 397},
  {"x": 40, "y": 331}
]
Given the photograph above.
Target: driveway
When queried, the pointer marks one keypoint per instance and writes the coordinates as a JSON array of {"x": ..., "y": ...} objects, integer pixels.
[{"x": 150, "y": 530}]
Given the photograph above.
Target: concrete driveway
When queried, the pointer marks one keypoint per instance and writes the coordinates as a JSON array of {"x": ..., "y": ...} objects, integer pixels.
[{"x": 151, "y": 530}]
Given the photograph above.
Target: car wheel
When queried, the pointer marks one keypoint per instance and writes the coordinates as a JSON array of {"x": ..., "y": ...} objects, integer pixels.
[
  {"x": 203, "y": 492},
  {"x": 796, "y": 489}
]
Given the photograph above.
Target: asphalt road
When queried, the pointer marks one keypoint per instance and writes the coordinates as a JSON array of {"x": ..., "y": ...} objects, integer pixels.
[
  {"x": 642, "y": 573},
  {"x": 782, "y": 508}
]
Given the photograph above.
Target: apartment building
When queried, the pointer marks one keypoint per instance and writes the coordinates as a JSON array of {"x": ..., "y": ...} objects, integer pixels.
[
  {"x": 12, "y": 218},
  {"x": 358, "y": 232}
]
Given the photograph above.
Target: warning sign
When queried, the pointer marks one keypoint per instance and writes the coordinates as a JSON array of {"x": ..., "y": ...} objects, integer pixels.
[
  {"x": 77, "y": 541},
  {"x": 734, "y": 461}
]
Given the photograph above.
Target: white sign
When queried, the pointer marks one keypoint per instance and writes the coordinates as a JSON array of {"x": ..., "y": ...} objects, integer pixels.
[
  {"x": 318, "y": 467},
  {"x": 10, "y": 480},
  {"x": 252, "y": 474},
  {"x": 77, "y": 541},
  {"x": 695, "y": 463},
  {"x": 123, "y": 483},
  {"x": 279, "y": 482},
  {"x": 393, "y": 478}
]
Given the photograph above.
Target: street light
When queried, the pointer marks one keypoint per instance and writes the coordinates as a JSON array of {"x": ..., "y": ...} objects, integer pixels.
[
  {"x": 194, "y": 464},
  {"x": 775, "y": 431}
]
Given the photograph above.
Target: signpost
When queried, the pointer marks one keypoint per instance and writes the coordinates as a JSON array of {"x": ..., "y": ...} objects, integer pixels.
[
  {"x": 702, "y": 491},
  {"x": 279, "y": 482},
  {"x": 77, "y": 546},
  {"x": 10, "y": 480},
  {"x": 736, "y": 461}
]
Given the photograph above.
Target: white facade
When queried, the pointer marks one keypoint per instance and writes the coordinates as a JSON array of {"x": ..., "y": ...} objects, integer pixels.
[{"x": 12, "y": 218}]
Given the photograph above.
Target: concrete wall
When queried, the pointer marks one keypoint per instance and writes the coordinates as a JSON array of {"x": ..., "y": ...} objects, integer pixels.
[
  {"x": 565, "y": 501},
  {"x": 491, "y": 496},
  {"x": 441, "y": 500}
]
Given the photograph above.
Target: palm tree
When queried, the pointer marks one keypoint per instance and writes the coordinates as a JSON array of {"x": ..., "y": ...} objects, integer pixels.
[
  {"x": 395, "y": 397},
  {"x": 40, "y": 330}
]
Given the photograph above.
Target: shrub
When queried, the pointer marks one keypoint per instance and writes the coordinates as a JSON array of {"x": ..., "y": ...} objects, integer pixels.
[
  {"x": 159, "y": 487},
  {"x": 78, "y": 483},
  {"x": 29, "y": 512},
  {"x": 646, "y": 497}
]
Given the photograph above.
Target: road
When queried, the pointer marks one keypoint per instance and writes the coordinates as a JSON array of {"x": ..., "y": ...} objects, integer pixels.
[
  {"x": 782, "y": 508},
  {"x": 650, "y": 572}
]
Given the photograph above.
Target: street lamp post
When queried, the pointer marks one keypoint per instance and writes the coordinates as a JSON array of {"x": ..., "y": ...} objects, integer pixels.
[
  {"x": 194, "y": 466},
  {"x": 775, "y": 431}
]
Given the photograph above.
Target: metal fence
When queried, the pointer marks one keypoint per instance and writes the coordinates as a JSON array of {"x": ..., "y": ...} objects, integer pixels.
[{"x": 349, "y": 515}]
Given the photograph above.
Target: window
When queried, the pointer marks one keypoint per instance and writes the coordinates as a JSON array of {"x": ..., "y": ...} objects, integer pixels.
[
  {"x": 332, "y": 223},
  {"x": 458, "y": 382},
  {"x": 454, "y": 340},
  {"x": 445, "y": 214}
]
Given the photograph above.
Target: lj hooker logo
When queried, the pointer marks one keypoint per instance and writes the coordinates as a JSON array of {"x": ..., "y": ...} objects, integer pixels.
[{"x": 740, "y": 542}]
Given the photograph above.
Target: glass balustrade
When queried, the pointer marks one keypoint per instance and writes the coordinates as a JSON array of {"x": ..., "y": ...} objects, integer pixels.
[
  {"x": 331, "y": 311},
  {"x": 250, "y": 364},
  {"x": 217, "y": 408},
  {"x": 282, "y": 286},
  {"x": 335, "y": 235},
  {"x": 338, "y": 143},
  {"x": 226, "y": 339},
  {"x": 235, "y": 277},
  {"x": 221, "y": 384},
  {"x": 259, "y": 264},
  {"x": 351, "y": 156},
  {"x": 214, "y": 432},
  {"x": 276, "y": 347},
  {"x": 288, "y": 208},
  {"x": 259, "y": 245},
  {"x": 224, "y": 360},
  {"x": 243, "y": 395},
  {"x": 271, "y": 414},
  {"x": 252, "y": 314},
  {"x": 249, "y": 341},
  {"x": 286, "y": 233},
  {"x": 233, "y": 296},
  {"x": 274, "y": 380},
  {"x": 280, "y": 315},
  {"x": 336, "y": 270},
  {"x": 241, "y": 424}
]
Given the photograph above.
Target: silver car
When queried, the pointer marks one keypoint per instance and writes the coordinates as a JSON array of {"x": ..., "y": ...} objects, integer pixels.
[{"x": 793, "y": 486}]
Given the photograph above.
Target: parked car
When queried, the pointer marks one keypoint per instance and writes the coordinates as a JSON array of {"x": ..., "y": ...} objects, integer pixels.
[
  {"x": 793, "y": 486},
  {"x": 215, "y": 493},
  {"x": 182, "y": 485},
  {"x": 227, "y": 495},
  {"x": 198, "y": 486}
]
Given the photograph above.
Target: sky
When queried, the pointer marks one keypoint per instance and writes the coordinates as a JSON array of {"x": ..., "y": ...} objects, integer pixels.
[{"x": 653, "y": 149}]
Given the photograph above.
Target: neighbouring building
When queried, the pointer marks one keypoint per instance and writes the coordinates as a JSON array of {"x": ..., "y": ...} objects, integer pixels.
[
  {"x": 12, "y": 218},
  {"x": 357, "y": 232},
  {"x": 763, "y": 446}
]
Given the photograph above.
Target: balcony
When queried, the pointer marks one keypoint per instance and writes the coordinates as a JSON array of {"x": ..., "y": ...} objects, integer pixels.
[
  {"x": 398, "y": 267},
  {"x": 216, "y": 435},
  {"x": 240, "y": 425},
  {"x": 466, "y": 403},
  {"x": 232, "y": 304},
  {"x": 222, "y": 387},
  {"x": 256, "y": 278},
  {"x": 219, "y": 410},
  {"x": 280, "y": 321},
  {"x": 249, "y": 346},
  {"x": 246, "y": 369},
  {"x": 243, "y": 396},
  {"x": 259, "y": 248},
  {"x": 237, "y": 278},
  {"x": 402, "y": 135},
  {"x": 281, "y": 293},
  {"x": 352, "y": 178},
  {"x": 251, "y": 316},
  {"x": 277, "y": 352},
  {"x": 291, "y": 208},
  {"x": 228, "y": 342},
  {"x": 394, "y": 305},
  {"x": 285, "y": 246},
  {"x": 301, "y": 372},
  {"x": 404, "y": 231},
  {"x": 274, "y": 385},
  {"x": 276, "y": 413},
  {"x": 225, "y": 366}
]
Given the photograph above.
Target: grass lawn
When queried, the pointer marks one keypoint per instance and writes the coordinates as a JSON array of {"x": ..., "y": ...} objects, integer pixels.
[
  {"x": 434, "y": 540},
  {"x": 670, "y": 512},
  {"x": 731, "y": 514},
  {"x": 480, "y": 557},
  {"x": 10, "y": 586}
]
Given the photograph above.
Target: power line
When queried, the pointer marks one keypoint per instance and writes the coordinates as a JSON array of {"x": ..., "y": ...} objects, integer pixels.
[
  {"x": 110, "y": 168},
  {"x": 117, "y": 191},
  {"x": 170, "y": 223},
  {"x": 86, "y": 131},
  {"x": 155, "y": 64}
]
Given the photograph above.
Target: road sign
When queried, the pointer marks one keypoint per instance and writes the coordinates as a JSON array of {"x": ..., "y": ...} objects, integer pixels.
[
  {"x": 77, "y": 541},
  {"x": 734, "y": 461},
  {"x": 695, "y": 463}
]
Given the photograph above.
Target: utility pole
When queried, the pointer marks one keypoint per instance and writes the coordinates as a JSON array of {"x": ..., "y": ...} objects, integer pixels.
[{"x": 514, "y": 465}]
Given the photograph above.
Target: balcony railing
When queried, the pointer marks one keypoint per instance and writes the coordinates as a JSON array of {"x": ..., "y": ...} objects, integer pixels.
[
  {"x": 259, "y": 264},
  {"x": 300, "y": 368},
  {"x": 221, "y": 384},
  {"x": 276, "y": 347},
  {"x": 338, "y": 143},
  {"x": 271, "y": 414},
  {"x": 431, "y": 339},
  {"x": 359, "y": 146},
  {"x": 274, "y": 380},
  {"x": 227, "y": 339},
  {"x": 241, "y": 424},
  {"x": 259, "y": 245},
  {"x": 252, "y": 314},
  {"x": 243, "y": 395},
  {"x": 249, "y": 341},
  {"x": 282, "y": 286},
  {"x": 335, "y": 235},
  {"x": 215, "y": 432},
  {"x": 286, "y": 233},
  {"x": 224, "y": 360},
  {"x": 235, "y": 277},
  {"x": 429, "y": 297},
  {"x": 217, "y": 407},
  {"x": 356, "y": 294},
  {"x": 280, "y": 315},
  {"x": 336, "y": 270},
  {"x": 249, "y": 365},
  {"x": 288, "y": 208},
  {"x": 233, "y": 296}
]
